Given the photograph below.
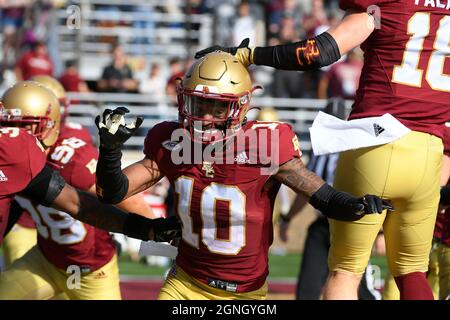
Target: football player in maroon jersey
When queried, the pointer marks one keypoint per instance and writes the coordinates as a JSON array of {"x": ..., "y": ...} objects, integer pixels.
[
  {"x": 225, "y": 196},
  {"x": 63, "y": 243},
  {"x": 406, "y": 73},
  {"x": 23, "y": 170},
  {"x": 23, "y": 236}
]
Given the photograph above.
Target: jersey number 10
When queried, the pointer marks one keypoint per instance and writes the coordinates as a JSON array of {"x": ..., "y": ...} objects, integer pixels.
[
  {"x": 408, "y": 72},
  {"x": 184, "y": 187}
]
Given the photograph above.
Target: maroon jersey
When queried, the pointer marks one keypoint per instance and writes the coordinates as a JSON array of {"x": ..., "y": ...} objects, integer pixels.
[
  {"x": 63, "y": 240},
  {"x": 68, "y": 130},
  {"x": 26, "y": 221},
  {"x": 21, "y": 159},
  {"x": 71, "y": 129},
  {"x": 225, "y": 209},
  {"x": 406, "y": 67}
]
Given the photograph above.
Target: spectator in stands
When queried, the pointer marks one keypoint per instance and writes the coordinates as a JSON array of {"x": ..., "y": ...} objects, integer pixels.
[
  {"x": 246, "y": 26},
  {"x": 155, "y": 84},
  {"x": 71, "y": 80},
  {"x": 288, "y": 84},
  {"x": 11, "y": 21},
  {"x": 343, "y": 78},
  {"x": 176, "y": 72},
  {"x": 118, "y": 76},
  {"x": 315, "y": 19},
  {"x": 35, "y": 62}
]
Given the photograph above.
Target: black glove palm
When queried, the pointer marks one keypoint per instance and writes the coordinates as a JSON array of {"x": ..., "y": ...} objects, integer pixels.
[
  {"x": 166, "y": 229},
  {"x": 113, "y": 130}
]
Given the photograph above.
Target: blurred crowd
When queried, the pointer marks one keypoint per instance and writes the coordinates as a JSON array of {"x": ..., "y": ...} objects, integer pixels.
[{"x": 30, "y": 46}]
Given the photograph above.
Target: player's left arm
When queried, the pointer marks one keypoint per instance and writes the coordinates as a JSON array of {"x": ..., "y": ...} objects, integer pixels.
[
  {"x": 308, "y": 54},
  {"x": 332, "y": 203}
]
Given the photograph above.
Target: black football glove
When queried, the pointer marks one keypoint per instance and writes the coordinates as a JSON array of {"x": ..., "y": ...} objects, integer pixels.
[
  {"x": 113, "y": 130},
  {"x": 166, "y": 229},
  {"x": 345, "y": 207},
  {"x": 242, "y": 52}
]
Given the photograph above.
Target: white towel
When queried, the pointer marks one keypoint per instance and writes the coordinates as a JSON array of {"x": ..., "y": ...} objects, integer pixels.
[
  {"x": 330, "y": 134},
  {"x": 152, "y": 248}
]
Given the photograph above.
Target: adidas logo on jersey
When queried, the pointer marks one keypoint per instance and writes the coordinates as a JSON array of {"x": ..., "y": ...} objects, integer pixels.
[
  {"x": 241, "y": 157},
  {"x": 378, "y": 129},
  {"x": 3, "y": 177}
]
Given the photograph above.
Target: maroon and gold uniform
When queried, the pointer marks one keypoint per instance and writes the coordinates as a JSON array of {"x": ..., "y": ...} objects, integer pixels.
[
  {"x": 21, "y": 159},
  {"x": 63, "y": 242},
  {"x": 225, "y": 209},
  {"x": 406, "y": 68},
  {"x": 72, "y": 129},
  {"x": 406, "y": 73}
]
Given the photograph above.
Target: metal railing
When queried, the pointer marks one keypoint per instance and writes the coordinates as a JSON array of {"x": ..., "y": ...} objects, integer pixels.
[
  {"x": 153, "y": 35},
  {"x": 300, "y": 113}
]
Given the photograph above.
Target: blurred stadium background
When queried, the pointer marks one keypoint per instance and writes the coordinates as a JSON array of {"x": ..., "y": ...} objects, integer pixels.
[{"x": 149, "y": 43}]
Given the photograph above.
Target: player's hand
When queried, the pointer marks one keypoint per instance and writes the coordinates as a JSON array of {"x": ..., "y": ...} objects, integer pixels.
[
  {"x": 369, "y": 204},
  {"x": 113, "y": 130},
  {"x": 166, "y": 229},
  {"x": 242, "y": 52},
  {"x": 345, "y": 207}
]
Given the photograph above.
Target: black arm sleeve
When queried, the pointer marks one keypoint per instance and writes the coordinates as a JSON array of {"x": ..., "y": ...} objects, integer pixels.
[
  {"x": 308, "y": 54},
  {"x": 112, "y": 184},
  {"x": 45, "y": 187},
  {"x": 15, "y": 212}
]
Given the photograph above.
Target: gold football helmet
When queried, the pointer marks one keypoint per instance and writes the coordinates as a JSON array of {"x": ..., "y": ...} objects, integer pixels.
[
  {"x": 214, "y": 97},
  {"x": 268, "y": 114},
  {"x": 31, "y": 105},
  {"x": 58, "y": 90}
]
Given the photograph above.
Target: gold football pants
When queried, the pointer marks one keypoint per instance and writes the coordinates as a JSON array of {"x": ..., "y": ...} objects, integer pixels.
[
  {"x": 33, "y": 277},
  {"x": 18, "y": 241},
  {"x": 391, "y": 291},
  {"x": 406, "y": 171},
  {"x": 181, "y": 286}
]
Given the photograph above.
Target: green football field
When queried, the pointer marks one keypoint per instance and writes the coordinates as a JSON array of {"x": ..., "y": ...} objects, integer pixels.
[{"x": 280, "y": 266}]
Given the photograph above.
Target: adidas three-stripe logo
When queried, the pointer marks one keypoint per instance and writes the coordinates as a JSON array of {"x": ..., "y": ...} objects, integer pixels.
[{"x": 378, "y": 129}]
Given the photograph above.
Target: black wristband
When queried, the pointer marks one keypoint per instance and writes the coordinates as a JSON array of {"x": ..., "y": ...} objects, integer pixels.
[
  {"x": 138, "y": 227},
  {"x": 308, "y": 54},
  {"x": 336, "y": 204},
  {"x": 321, "y": 198},
  {"x": 111, "y": 184},
  {"x": 445, "y": 196}
]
